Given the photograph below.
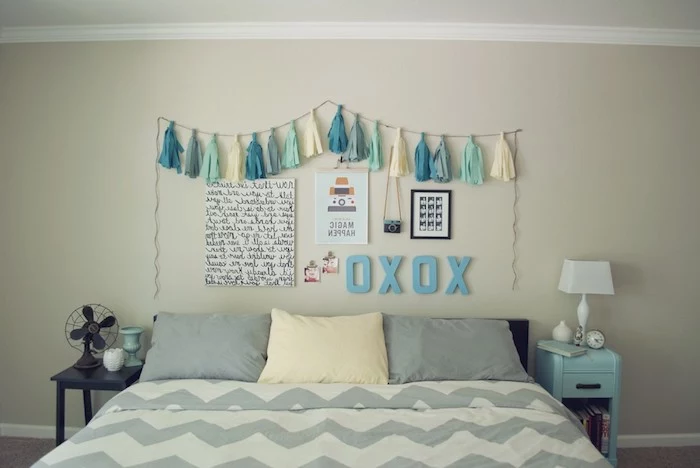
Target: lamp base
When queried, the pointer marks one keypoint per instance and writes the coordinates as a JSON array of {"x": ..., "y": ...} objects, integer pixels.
[{"x": 582, "y": 313}]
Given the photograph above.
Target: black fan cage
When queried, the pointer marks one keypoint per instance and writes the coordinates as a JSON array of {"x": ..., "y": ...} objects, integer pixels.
[{"x": 76, "y": 320}]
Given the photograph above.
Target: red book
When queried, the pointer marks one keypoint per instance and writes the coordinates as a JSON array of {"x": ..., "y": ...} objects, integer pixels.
[{"x": 595, "y": 425}]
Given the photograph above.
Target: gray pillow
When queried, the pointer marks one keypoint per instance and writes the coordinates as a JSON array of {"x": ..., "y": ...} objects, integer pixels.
[
  {"x": 421, "y": 348},
  {"x": 207, "y": 346}
]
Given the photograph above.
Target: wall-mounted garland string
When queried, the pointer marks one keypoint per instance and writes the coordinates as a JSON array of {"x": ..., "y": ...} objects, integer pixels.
[{"x": 255, "y": 163}]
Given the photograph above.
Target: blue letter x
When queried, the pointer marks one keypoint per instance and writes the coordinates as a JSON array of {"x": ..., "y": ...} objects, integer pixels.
[
  {"x": 458, "y": 275},
  {"x": 390, "y": 268}
]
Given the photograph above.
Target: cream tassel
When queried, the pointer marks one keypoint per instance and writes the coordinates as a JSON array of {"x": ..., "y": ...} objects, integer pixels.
[
  {"x": 399, "y": 160},
  {"x": 312, "y": 139},
  {"x": 503, "y": 167},
  {"x": 235, "y": 169}
]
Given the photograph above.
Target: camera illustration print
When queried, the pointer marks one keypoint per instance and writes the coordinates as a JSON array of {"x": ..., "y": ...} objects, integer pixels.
[
  {"x": 341, "y": 207},
  {"x": 430, "y": 214}
]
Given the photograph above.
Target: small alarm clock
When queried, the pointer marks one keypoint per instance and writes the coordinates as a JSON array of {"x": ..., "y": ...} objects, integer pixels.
[{"x": 595, "y": 339}]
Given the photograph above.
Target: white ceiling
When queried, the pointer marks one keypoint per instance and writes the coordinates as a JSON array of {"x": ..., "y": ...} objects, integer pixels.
[{"x": 666, "y": 14}]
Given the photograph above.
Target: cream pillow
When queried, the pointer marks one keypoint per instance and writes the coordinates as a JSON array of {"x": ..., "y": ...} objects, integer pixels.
[{"x": 348, "y": 349}]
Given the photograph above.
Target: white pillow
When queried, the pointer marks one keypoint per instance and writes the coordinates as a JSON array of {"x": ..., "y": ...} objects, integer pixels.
[{"x": 348, "y": 349}]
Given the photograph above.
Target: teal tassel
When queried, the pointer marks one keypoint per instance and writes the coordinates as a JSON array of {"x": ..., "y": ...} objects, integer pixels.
[
  {"x": 254, "y": 164},
  {"x": 273, "y": 154},
  {"x": 290, "y": 158},
  {"x": 337, "y": 139},
  {"x": 442, "y": 162},
  {"x": 193, "y": 157},
  {"x": 210, "y": 164},
  {"x": 472, "y": 171},
  {"x": 170, "y": 154},
  {"x": 376, "y": 158},
  {"x": 423, "y": 160},
  {"x": 356, "y": 150}
]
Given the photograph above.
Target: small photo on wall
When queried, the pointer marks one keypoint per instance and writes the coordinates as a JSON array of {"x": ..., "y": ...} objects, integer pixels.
[
  {"x": 312, "y": 274},
  {"x": 430, "y": 214},
  {"x": 330, "y": 265}
]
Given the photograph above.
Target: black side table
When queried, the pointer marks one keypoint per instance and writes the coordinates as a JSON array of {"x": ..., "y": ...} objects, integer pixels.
[{"x": 98, "y": 378}]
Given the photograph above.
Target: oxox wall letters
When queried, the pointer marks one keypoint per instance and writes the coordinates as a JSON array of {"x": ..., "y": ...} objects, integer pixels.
[{"x": 390, "y": 265}]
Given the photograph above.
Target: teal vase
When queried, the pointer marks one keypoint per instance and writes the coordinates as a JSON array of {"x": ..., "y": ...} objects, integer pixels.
[{"x": 132, "y": 345}]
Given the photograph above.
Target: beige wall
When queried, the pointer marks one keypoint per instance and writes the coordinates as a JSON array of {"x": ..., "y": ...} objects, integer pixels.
[{"x": 608, "y": 170}]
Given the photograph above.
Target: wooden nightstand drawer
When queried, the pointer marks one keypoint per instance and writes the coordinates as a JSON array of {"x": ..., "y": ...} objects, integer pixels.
[{"x": 588, "y": 385}]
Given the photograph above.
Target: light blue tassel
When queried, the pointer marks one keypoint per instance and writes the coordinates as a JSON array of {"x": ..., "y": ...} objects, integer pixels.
[
  {"x": 210, "y": 164},
  {"x": 273, "y": 154},
  {"x": 472, "y": 171},
  {"x": 254, "y": 164},
  {"x": 290, "y": 158},
  {"x": 170, "y": 154},
  {"x": 337, "y": 139},
  {"x": 443, "y": 170},
  {"x": 423, "y": 160},
  {"x": 376, "y": 157},
  {"x": 193, "y": 157},
  {"x": 356, "y": 150}
]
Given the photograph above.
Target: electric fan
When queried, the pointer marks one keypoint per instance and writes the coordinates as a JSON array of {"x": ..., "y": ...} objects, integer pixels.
[{"x": 91, "y": 326}]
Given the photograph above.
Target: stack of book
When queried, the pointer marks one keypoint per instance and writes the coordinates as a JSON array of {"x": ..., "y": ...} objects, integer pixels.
[
  {"x": 596, "y": 421},
  {"x": 564, "y": 349}
]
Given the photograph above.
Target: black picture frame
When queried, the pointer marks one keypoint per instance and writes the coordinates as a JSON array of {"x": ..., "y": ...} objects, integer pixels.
[{"x": 430, "y": 219}]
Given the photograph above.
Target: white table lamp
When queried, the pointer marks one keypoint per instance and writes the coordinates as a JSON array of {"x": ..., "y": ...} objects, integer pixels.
[{"x": 585, "y": 277}]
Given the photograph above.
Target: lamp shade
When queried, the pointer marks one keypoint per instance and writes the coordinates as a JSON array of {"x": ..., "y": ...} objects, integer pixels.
[{"x": 586, "y": 277}]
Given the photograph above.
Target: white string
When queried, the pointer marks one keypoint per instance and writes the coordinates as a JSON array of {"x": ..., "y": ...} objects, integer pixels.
[{"x": 156, "y": 243}]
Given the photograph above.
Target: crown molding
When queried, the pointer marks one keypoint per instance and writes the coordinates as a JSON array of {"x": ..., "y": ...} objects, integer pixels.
[{"x": 372, "y": 31}]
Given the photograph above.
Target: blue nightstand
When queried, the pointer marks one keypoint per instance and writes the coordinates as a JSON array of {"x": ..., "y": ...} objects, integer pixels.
[{"x": 594, "y": 375}]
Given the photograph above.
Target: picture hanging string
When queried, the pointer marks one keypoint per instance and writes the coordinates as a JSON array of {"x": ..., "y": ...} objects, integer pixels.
[{"x": 254, "y": 166}]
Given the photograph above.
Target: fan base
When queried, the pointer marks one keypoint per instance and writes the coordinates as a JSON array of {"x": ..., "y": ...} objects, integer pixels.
[{"x": 86, "y": 361}]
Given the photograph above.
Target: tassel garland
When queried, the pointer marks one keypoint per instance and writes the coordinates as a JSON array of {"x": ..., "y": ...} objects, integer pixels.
[
  {"x": 210, "y": 164},
  {"x": 423, "y": 160},
  {"x": 290, "y": 158},
  {"x": 376, "y": 157},
  {"x": 352, "y": 147},
  {"x": 312, "y": 139},
  {"x": 170, "y": 154},
  {"x": 337, "y": 139},
  {"x": 442, "y": 172},
  {"x": 273, "y": 154},
  {"x": 357, "y": 149},
  {"x": 235, "y": 170},
  {"x": 503, "y": 166},
  {"x": 398, "y": 167},
  {"x": 472, "y": 170},
  {"x": 254, "y": 164},
  {"x": 193, "y": 157}
]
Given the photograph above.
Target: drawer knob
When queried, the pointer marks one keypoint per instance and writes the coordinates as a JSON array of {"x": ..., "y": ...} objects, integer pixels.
[{"x": 587, "y": 386}]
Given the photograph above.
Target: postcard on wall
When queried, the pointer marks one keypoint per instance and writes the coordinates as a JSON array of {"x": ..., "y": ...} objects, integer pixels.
[
  {"x": 312, "y": 274},
  {"x": 342, "y": 207},
  {"x": 330, "y": 265}
]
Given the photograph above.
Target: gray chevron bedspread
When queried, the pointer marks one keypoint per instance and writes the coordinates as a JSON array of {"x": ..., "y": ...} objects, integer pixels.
[{"x": 186, "y": 423}]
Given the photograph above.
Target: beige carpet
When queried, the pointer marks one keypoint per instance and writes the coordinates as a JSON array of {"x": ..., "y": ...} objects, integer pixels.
[{"x": 18, "y": 452}]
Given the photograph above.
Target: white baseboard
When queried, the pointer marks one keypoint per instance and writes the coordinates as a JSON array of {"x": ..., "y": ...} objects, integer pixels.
[
  {"x": 36, "y": 432},
  {"x": 623, "y": 441},
  {"x": 657, "y": 440}
]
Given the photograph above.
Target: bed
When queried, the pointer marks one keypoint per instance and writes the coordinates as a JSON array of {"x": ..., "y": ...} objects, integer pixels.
[{"x": 214, "y": 422}]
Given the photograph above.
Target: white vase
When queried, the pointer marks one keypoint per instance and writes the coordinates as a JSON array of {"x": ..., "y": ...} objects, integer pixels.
[
  {"x": 562, "y": 333},
  {"x": 113, "y": 359}
]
